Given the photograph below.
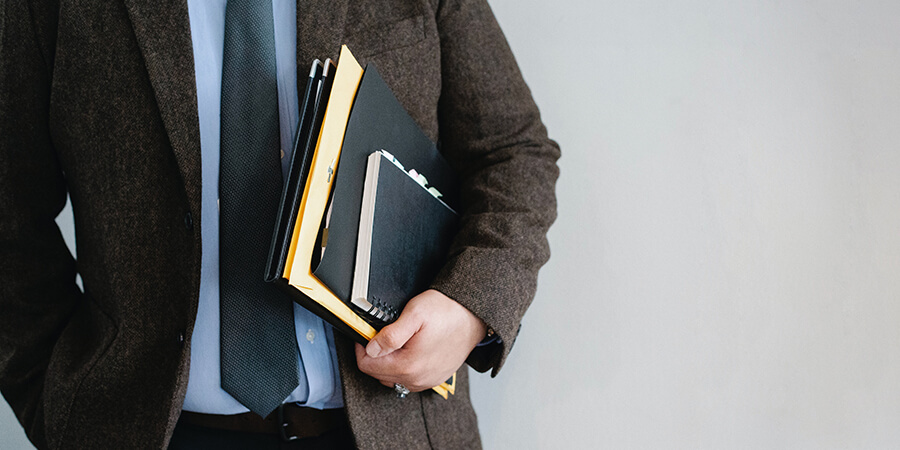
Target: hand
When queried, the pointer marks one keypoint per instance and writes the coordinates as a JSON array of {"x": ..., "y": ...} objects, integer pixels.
[{"x": 429, "y": 341}]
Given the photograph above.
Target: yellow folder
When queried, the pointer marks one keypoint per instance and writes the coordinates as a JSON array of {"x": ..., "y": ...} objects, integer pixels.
[{"x": 315, "y": 195}]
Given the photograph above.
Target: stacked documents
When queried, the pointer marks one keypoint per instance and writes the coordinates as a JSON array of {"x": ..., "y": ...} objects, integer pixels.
[{"x": 348, "y": 113}]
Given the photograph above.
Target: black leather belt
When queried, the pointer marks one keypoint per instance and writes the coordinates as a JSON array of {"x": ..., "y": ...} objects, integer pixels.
[{"x": 288, "y": 421}]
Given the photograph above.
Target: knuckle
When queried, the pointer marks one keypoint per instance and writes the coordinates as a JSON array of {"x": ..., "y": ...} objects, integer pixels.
[
  {"x": 406, "y": 369},
  {"x": 391, "y": 338},
  {"x": 409, "y": 370}
]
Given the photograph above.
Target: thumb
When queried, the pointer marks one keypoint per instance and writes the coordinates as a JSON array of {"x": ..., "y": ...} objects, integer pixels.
[{"x": 393, "y": 336}]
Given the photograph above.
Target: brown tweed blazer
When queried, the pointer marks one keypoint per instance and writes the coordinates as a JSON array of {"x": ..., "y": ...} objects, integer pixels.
[{"x": 98, "y": 99}]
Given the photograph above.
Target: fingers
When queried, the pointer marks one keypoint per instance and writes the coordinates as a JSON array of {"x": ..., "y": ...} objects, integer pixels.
[
  {"x": 397, "y": 367},
  {"x": 430, "y": 340},
  {"x": 394, "y": 336},
  {"x": 389, "y": 368}
]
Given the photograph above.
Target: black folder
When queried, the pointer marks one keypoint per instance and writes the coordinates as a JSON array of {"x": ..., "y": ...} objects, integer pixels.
[
  {"x": 377, "y": 121},
  {"x": 312, "y": 110}
]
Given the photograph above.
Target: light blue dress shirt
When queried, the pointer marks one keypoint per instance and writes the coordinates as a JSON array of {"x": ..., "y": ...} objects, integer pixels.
[{"x": 321, "y": 387}]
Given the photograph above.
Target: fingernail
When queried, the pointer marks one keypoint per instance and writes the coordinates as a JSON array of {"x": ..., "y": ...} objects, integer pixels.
[{"x": 373, "y": 349}]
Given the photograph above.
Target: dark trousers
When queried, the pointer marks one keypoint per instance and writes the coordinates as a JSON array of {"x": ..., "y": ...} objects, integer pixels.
[{"x": 194, "y": 437}]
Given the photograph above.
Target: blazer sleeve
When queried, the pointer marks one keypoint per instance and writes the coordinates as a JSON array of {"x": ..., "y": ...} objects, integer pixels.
[
  {"x": 37, "y": 272},
  {"x": 491, "y": 132}
]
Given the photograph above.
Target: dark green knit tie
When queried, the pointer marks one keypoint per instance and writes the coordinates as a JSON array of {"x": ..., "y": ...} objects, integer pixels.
[{"x": 259, "y": 347}]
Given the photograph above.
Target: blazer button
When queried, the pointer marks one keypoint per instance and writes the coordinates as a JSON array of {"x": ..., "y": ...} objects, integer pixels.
[
  {"x": 181, "y": 339},
  {"x": 188, "y": 221}
]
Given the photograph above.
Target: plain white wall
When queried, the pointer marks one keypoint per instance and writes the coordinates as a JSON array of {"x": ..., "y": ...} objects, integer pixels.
[{"x": 726, "y": 262}]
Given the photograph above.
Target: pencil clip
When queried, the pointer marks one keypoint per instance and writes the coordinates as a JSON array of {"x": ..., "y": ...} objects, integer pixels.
[{"x": 331, "y": 170}]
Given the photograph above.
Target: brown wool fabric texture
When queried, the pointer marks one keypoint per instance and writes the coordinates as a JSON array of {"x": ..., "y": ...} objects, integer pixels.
[{"x": 98, "y": 99}]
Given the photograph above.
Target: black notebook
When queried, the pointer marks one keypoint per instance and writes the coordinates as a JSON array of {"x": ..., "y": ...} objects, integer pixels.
[{"x": 405, "y": 230}]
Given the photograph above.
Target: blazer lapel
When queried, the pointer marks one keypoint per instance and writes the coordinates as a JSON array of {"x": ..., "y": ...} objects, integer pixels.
[
  {"x": 320, "y": 29},
  {"x": 163, "y": 32}
]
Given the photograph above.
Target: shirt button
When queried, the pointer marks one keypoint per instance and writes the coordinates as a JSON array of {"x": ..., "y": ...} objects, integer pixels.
[
  {"x": 282, "y": 153},
  {"x": 188, "y": 221},
  {"x": 310, "y": 336}
]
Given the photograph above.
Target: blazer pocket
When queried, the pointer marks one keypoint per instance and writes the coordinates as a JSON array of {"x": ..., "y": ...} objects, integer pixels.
[
  {"x": 83, "y": 342},
  {"x": 379, "y": 38}
]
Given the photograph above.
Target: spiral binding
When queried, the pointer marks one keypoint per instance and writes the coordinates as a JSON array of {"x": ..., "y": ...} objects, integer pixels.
[{"x": 382, "y": 311}]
